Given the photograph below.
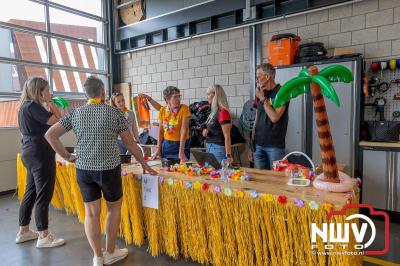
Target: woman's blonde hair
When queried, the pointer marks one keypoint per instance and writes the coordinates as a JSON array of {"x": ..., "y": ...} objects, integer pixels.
[
  {"x": 219, "y": 101},
  {"x": 32, "y": 90},
  {"x": 114, "y": 97}
]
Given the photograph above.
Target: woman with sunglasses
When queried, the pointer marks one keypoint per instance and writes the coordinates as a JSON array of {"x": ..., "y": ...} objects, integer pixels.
[{"x": 173, "y": 141}]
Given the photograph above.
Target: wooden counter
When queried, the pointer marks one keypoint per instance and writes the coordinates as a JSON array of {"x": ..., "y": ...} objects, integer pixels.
[
  {"x": 374, "y": 144},
  {"x": 264, "y": 181}
]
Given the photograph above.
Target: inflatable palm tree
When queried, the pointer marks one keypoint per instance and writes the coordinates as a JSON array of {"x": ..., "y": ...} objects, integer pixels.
[{"x": 320, "y": 85}]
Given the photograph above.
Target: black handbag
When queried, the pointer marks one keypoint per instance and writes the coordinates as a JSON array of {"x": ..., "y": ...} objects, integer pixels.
[{"x": 386, "y": 131}]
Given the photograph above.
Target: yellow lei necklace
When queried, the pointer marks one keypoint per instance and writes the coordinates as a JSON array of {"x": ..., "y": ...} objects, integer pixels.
[{"x": 95, "y": 101}]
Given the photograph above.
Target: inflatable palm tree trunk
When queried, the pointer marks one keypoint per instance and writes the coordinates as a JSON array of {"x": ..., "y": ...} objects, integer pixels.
[
  {"x": 328, "y": 155},
  {"x": 319, "y": 84}
]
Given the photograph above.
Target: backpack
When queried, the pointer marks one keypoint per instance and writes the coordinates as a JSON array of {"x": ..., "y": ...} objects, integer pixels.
[
  {"x": 311, "y": 52},
  {"x": 236, "y": 137},
  {"x": 247, "y": 119},
  {"x": 199, "y": 114},
  {"x": 146, "y": 139}
]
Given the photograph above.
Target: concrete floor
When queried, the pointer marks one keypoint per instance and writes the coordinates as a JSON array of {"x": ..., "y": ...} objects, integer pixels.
[{"x": 77, "y": 250}]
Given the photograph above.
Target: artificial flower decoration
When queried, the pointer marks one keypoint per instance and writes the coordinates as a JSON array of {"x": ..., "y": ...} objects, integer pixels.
[
  {"x": 215, "y": 174},
  {"x": 238, "y": 174},
  {"x": 254, "y": 194},
  {"x": 240, "y": 194},
  {"x": 217, "y": 189},
  {"x": 192, "y": 170},
  {"x": 299, "y": 203},
  {"x": 313, "y": 205},
  {"x": 161, "y": 178},
  {"x": 269, "y": 197},
  {"x": 205, "y": 187},
  {"x": 170, "y": 181},
  {"x": 95, "y": 101},
  {"x": 171, "y": 120},
  {"x": 197, "y": 185},
  {"x": 188, "y": 184},
  {"x": 228, "y": 192},
  {"x": 282, "y": 199}
]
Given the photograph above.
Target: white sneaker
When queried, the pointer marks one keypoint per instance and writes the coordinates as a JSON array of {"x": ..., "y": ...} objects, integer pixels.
[
  {"x": 29, "y": 235},
  {"x": 117, "y": 255},
  {"x": 98, "y": 261},
  {"x": 50, "y": 241}
]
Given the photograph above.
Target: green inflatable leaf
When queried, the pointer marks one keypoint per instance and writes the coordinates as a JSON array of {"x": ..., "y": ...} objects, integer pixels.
[
  {"x": 337, "y": 73},
  {"x": 291, "y": 89},
  {"x": 304, "y": 73},
  {"x": 60, "y": 102},
  {"x": 326, "y": 89}
]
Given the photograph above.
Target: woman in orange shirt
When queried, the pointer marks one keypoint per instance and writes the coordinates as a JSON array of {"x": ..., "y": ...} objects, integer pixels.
[{"x": 173, "y": 141}]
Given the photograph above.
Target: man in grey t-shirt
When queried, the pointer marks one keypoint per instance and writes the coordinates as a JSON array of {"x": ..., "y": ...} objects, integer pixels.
[{"x": 98, "y": 166}]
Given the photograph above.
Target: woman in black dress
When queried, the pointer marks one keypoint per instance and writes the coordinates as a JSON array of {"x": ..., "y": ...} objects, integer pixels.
[{"x": 36, "y": 114}]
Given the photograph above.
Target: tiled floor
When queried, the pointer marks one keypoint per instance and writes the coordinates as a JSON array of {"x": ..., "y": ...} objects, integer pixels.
[{"x": 77, "y": 250}]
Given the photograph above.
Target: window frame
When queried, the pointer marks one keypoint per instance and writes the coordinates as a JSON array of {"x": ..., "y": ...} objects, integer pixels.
[{"x": 104, "y": 19}]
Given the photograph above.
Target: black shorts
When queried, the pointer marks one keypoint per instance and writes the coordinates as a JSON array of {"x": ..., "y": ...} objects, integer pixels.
[{"x": 92, "y": 183}]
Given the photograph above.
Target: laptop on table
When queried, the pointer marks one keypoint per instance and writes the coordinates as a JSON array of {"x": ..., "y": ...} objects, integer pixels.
[{"x": 204, "y": 157}]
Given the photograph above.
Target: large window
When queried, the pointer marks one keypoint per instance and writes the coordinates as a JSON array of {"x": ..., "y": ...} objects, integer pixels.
[{"x": 62, "y": 41}]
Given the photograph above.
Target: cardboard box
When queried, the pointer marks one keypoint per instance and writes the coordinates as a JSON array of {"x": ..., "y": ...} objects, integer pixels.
[{"x": 343, "y": 51}]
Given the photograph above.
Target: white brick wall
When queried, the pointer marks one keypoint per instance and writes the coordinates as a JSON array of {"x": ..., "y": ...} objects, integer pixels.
[
  {"x": 371, "y": 27},
  {"x": 192, "y": 66}
]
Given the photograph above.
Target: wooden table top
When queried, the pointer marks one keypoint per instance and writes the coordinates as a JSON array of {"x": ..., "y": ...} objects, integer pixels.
[
  {"x": 380, "y": 144},
  {"x": 264, "y": 181}
]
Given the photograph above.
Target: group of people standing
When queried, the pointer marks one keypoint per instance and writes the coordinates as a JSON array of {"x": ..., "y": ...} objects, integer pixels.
[{"x": 105, "y": 131}]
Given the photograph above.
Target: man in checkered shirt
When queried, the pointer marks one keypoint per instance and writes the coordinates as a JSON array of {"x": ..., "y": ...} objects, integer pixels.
[{"x": 98, "y": 165}]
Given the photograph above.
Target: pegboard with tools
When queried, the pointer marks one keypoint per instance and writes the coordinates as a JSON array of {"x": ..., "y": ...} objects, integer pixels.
[{"x": 383, "y": 100}]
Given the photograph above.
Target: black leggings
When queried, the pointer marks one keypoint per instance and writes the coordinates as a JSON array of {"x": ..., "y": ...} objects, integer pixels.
[{"x": 38, "y": 158}]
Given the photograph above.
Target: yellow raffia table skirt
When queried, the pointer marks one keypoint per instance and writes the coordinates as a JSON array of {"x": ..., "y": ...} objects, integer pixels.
[{"x": 212, "y": 228}]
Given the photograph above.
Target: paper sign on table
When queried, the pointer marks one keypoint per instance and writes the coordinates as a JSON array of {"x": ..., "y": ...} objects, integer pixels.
[
  {"x": 153, "y": 163},
  {"x": 150, "y": 191}
]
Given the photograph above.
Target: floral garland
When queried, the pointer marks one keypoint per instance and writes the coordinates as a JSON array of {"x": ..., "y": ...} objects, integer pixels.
[
  {"x": 95, "y": 101},
  {"x": 191, "y": 170},
  {"x": 280, "y": 199},
  {"x": 197, "y": 170},
  {"x": 168, "y": 124},
  {"x": 239, "y": 193}
]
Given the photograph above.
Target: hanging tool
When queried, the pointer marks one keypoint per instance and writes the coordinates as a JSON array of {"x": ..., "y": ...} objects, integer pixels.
[
  {"x": 397, "y": 82},
  {"x": 380, "y": 108},
  {"x": 365, "y": 86},
  {"x": 379, "y": 105},
  {"x": 396, "y": 114},
  {"x": 375, "y": 85}
]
